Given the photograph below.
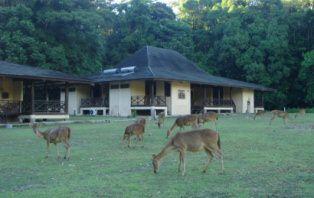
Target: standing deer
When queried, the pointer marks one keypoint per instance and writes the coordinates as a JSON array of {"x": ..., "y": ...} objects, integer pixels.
[
  {"x": 279, "y": 114},
  {"x": 187, "y": 120},
  {"x": 134, "y": 129},
  {"x": 301, "y": 112},
  {"x": 55, "y": 136},
  {"x": 259, "y": 113},
  {"x": 161, "y": 119},
  {"x": 198, "y": 140},
  {"x": 206, "y": 117}
]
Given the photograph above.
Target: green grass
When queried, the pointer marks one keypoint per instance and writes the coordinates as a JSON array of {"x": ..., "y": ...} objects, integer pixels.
[{"x": 260, "y": 161}]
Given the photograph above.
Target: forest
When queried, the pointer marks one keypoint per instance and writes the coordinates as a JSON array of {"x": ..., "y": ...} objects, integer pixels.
[{"x": 269, "y": 42}]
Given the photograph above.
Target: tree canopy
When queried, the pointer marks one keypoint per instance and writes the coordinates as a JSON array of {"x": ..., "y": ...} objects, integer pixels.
[{"x": 269, "y": 42}]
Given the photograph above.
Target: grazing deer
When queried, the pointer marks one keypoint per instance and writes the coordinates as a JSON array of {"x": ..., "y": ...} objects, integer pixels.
[
  {"x": 259, "y": 113},
  {"x": 301, "y": 112},
  {"x": 187, "y": 120},
  {"x": 279, "y": 114},
  {"x": 206, "y": 117},
  {"x": 134, "y": 129},
  {"x": 198, "y": 140},
  {"x": 161, "y": 119},
  {"x": 55, "y": 136}
]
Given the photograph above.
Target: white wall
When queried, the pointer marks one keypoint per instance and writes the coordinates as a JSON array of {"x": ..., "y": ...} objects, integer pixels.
[
  {"x": 81, "y": 91},
  {"x": 180, "y": 106},
  {"x": 241, "y": 97},
  {"x": 248, "y": 95}
]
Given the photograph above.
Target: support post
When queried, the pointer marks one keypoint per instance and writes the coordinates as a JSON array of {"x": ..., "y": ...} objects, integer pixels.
[
  {"x": 152, "y": 99},
  {"x": 32, "y": 98},
  {"x": 66, "y": 98},
  {"x": 46, "y": 96}
]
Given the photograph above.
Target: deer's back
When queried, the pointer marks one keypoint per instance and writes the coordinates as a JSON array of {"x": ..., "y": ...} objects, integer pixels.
[
  {"x": 186, "y": 120},
  {"x": 196, "y": 140},
  {"x": 208, "y": 117},
  {"x": 135, "y": 129},
  {"x": 59, "y": 134},
  {"x": 280, "y": 113}
]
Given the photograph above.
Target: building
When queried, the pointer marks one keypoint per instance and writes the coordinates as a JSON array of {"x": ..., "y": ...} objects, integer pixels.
[
  {"x": 156, "y": 79},
  {"x": 149, "y": 81},
  {"x": 32, "y": 93}
]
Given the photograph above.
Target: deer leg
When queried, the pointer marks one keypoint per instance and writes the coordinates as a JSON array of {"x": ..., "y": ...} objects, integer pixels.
[
  {"x": 47, "y": 150},
  {"x": 220, "y": 156},
  {"x": 210, "y": 156},
  {"x": 58, "y": 152},
  {"x": 183, "y": 161},
  {"x": 68, "y": 150},
  {"x": 272, "y": 119},
  {"x": 180, "y": 161},
  {"x": 129, "y": 142}
]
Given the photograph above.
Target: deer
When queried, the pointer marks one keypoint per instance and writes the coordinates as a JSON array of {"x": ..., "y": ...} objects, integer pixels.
[
  {"x": 259, "y": 113},
  {"x": 280, "y": 114},
  {"x": 301, "y": 112},
  {"x": 161, "y": 119},
  {"x": 194, "y": 141},
  {"x": 187, "y": 120},
  {"x": 134, "y": 129},
  {"x": 56, "y": 135},
  {"x": 206, "y": 117}
]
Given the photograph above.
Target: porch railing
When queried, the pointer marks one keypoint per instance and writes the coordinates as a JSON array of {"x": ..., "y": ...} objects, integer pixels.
[
  {"x": 94, "y": 102},
  {"x": 142, "y": 101},
  {"x": 258, "y": 103},
  {"x": 218, "y": 103},
  {"x": 10, "y": 107},
  {"x": 43, "y": 106}
]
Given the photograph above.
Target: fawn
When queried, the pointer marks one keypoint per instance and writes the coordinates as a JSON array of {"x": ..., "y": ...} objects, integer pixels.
[{"x": 134, "y": 129}]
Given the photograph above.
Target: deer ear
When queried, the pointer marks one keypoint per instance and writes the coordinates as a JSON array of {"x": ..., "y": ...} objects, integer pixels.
[{"x": 153, "y": 155}]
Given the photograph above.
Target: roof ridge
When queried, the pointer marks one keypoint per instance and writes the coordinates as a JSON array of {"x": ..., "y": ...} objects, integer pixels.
[{"x": 148, "y": 65}]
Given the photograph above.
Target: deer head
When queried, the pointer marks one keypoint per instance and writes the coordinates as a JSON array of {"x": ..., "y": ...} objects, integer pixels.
[
  {"x": 156, "y": 163},
  {"x": 35, "y": 129}
]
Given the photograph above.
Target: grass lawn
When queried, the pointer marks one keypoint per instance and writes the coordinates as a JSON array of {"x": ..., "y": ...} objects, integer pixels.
[{"x": 260, "y": 160}]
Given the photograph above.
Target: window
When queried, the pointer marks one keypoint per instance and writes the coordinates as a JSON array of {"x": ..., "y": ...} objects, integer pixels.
[
  {"x": 167, "y": 89},
  {"x": 124, "y": 86},
  {"x": 5, "y": 95},
  {"x": 71, "y": 89},
  {"x": 115, "y": 86},
  {"x": 181, "y": 94}
]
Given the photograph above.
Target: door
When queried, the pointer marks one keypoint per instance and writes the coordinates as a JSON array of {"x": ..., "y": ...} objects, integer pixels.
[
  {"x": 120, "y": 100},
  {"x": 113, "y": 100},
  {"x": 217, "y": 95},
  {"x": 73, "y": 110},
  {"x": 124, "y": 100}
]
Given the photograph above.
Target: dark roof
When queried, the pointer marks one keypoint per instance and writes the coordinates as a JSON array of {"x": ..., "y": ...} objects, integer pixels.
[
  {"x": 29, "y": 72},
  {"x": 166, "y": 64}
]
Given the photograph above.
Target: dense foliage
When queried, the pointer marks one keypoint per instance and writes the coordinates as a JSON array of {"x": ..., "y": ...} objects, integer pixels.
[{"x": 263, "y": 41}]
